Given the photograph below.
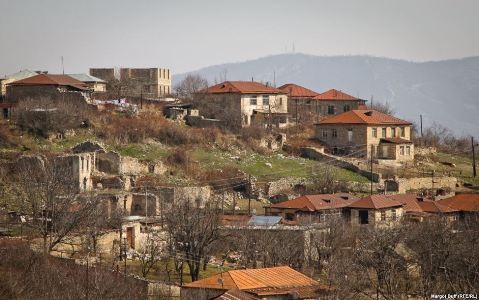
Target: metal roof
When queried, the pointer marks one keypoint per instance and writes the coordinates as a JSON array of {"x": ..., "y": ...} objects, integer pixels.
[
  {"x": 86, "y": 78},
  {"x": 264, "y": 220},
  {"x": 21, "y": 75}
]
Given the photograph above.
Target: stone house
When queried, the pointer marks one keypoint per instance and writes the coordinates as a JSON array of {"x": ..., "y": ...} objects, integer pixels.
[
  {"x": 375, "y": 210},
  {"x": 467, "y": 204},
  {"x": 94, "y": 84},
  {"x": 362, "y": 133},
  {"x": 334, "y": 102},
  {"x": 149, "y": 82},
  {"x": 301, "y": 103},
  {"x": 311, "y": 209},
  {"x": 245, "y": 103},
  {"x": 60, "y": 88}
]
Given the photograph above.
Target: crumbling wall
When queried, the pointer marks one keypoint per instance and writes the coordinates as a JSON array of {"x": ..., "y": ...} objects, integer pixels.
[{"x": 418, "y": 183}]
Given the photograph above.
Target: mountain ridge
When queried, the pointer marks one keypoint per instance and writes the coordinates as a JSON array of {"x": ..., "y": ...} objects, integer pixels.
[{"x": 443, "y": 91}]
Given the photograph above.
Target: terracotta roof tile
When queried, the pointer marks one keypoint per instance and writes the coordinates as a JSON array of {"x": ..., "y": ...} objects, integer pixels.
[
  {"x": 51, "y": 79},
  {"x": 368, "y": 117},
  {"x": 462, "y": 202},
  {"x": 242, "y": 87},
  {"x": 235, "y": 294},
  {"x": 375, "y": 202},
  {"x": 297, "y": 91},
  {"x": 413, "y": 203},
  {"x": 235, "y": 220},
  {"x": 317, "y": 202},
  {"x": 334, "y": 94}
]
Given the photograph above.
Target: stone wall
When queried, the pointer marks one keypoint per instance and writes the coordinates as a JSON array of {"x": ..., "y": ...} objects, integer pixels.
[
  {"x": 418, "y": 183},
  {"x": 425, "y": 150},
  {"x": 202, "y": 122}
]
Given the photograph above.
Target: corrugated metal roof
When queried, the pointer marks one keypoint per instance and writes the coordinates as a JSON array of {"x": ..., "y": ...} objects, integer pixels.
[
  {"x": 250, "y": 279},
  {"x": 21, "y": 75},
  {"x": 86, "y": 78},
  {"x": 264, "y": 220}
]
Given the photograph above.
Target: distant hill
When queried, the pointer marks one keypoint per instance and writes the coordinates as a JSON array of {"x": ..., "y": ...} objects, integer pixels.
[{"x": 446, "y": 92}]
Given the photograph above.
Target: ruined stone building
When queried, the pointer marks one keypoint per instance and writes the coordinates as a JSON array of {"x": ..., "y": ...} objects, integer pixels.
[{"x": 147, "y": 82}]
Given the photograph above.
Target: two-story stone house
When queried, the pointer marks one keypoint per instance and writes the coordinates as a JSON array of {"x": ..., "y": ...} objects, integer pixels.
[
  {"x": 361, "y": 133},
  {"x": 334, "y": 102},
  {"x": 245, "y": 103},
  {"x": 301, "y": 103}
]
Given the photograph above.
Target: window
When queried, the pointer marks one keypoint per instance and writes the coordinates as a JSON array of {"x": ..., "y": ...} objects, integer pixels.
[
  {"x": 281, "y": 101},
  {"x": 350, "y": 135},
  {"x": 383, "y": 215},
  {"x": 393, "y": 215},
  {"x": 265, "y": 100},
  {"x": 331, "y": 109},
  {"x": 289, "y": 216},
  {"x": 402, "y": 131},
  {"x": 252, "y": 100},
  {"x": 393, "y": 132},
  {"x": 82, "y": 166},
  {"x": 408, "y": 150},
  {"x": 324, "y": 133},
  {"x": 375, "y": 132},
  {"x": 334, "y": 133},
  {"x": 383, "y": 132},
  {"x": 346, "y": 108},
  {"x": 401, "y": 150}
]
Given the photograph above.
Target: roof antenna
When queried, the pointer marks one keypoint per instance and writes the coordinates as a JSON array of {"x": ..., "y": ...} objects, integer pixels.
[
  {"x": 372, "y": 98},
  {"x": 63, "y": 68},
  {"x": 274, "y": 78},
  {"x": 252, "y": 79}
]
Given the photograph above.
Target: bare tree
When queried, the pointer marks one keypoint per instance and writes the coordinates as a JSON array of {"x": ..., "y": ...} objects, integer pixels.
[
  {"x": 192, "y": 232},
  {"x": 150, "y": 251},
  {"x": 190, "y": 87},
  {"x": 45, "y": 192},
  {"x": 384, "y": 107}
]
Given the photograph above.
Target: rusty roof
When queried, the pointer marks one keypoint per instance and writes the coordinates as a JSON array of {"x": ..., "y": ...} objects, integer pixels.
[
  {"x": 317, "y": 202},
  {"x": 234, "y": 220},
  {"x": 363, "y": 117},
  {"x": 334, "y": 95},
  {"x": 297, "y": 91},
  {"x": 252, "y": 279},
  {"x": 375, "y": 202},
  {"x": 242, "y": 87},
  {"x": 462, "y": 202},
  {"x": 51, "y": 79},
  {"x": 236, "y": 294}
]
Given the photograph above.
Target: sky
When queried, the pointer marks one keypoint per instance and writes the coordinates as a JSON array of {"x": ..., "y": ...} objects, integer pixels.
[{"x": 187, "y": 35}]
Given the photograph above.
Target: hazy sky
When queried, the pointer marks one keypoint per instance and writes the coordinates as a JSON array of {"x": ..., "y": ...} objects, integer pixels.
[{"x": 187, "y": 35}]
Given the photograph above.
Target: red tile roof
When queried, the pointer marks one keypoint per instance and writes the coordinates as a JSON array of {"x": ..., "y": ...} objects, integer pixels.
[
  {"x": 335, "y": 95},
  {"x": 462, "y": 202},
  {"x": 363, "y": 117},
  {"x": 234, "y": 220},
  {"x": 242, "y": 87},
  {"x": 375, "y": 202},
  {"x": 413, "y": 203},
  {"x": 51, "y": 79},
  {"x": 251, "y": 279},
  {"x": 297, "y": 91},
  {"x": 317, "y": 202},
  {"x": 235, "y": 294}
]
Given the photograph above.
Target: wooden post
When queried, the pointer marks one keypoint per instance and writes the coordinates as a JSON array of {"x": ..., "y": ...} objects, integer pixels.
[{"x": 420, "y": 117}]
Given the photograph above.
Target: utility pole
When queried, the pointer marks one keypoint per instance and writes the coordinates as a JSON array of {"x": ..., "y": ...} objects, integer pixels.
[
  {"x": 63, "y": 67},
  {"x": 474, "y": 173},
  {"x": 432, "y": 185},
  {"x": 296, "y": 100},
  {"x": 249, "y": 195},
  {"x": 420, "y": 117},
  {"x": 371, "y": 171}
]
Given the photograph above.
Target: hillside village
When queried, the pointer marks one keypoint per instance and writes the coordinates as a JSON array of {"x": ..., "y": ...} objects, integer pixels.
[{"x": 229, "y": 190}]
